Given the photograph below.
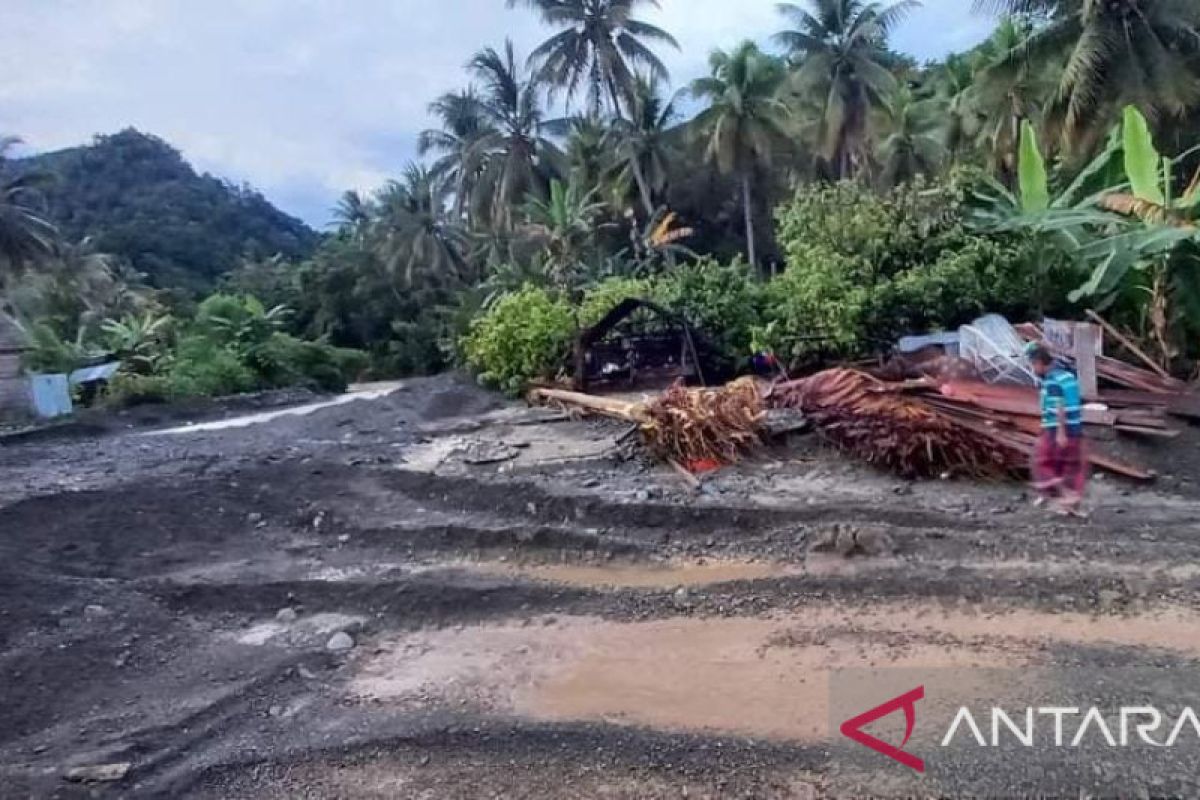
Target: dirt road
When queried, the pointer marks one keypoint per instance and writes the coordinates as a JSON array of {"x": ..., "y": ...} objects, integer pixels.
[{"x": 432, "y": 593}]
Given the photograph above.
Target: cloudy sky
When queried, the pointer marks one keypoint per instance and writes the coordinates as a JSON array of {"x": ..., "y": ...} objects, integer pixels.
[{"x": 306, "y": 98}]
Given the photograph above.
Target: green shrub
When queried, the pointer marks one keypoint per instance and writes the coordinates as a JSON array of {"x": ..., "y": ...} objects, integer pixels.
[
  {"x": 128, "y": 389},
  {"x": 524, "y": 336},
  {"x": 864, "y": 268},
  {"x": 284, "y": 360},
  {"x": 204, "y": 369},
  {"x": 725, "y": 301},
  {"x": 601, "y": 298}
]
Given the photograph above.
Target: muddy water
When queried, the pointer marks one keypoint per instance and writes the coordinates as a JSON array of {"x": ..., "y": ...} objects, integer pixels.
[
  {"x": 642, "y": 576},
  {"x": 764, "y": 677}
]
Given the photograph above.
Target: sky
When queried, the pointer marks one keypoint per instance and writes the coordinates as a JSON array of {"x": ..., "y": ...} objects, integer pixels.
[{"x": 304, "y": 99}]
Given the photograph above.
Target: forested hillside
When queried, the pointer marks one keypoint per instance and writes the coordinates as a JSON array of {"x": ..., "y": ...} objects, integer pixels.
[{"x": 136, "y": 198}]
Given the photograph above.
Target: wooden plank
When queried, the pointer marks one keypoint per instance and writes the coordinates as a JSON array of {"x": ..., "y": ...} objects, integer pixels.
[
  {"x": 1085, "y": 341},
  {"x": 1130, "y": 346},
  {"x": 1139, "y": 430},
  {"x": 1119, "y": 467}
]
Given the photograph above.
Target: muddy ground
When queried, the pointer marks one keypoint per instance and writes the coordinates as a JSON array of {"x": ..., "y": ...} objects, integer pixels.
[{"x": 526, "y": 611}]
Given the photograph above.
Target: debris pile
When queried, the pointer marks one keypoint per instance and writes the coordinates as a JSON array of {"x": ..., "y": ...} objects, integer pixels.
[
  {"x": 883, "y": 425},
  {"x": 690, "y": 428},
  {"x": 971, "y": 412}
]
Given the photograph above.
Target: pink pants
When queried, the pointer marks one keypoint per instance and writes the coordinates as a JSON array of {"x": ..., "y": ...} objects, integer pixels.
[{"x": 1059, "y": 470}]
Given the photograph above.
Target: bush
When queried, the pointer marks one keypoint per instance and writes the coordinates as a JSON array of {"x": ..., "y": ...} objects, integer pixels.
[
  {"x": 524, "y": 336},
  {"x": 128, "y": 389},
  {"x": 725, "y": 301},
  {"x": 204, "y": 369},
  {"x": 863, "y": 269},
  {"x": 601, "y": 298},
  {"x": 284, "y": 360}
]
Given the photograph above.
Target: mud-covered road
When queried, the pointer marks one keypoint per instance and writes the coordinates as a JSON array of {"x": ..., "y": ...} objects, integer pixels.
[{"x": 435, "y": 594}]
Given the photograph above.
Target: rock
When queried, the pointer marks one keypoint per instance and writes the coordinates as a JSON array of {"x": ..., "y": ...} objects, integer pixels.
[
  {"x": 845, "y": 542},
  {"x": 343, "y": 538},
  {"x": 641, "y": 495},
  {"x": 95, "y": 611},
  {"x": 254, "y": 517},
  {"x": 1109, "y": 598},
  {"x": 306, "y": 673},
  {"x": 681, "y": 597},
  {"x": 340, "y": 642},
  {"x": 875, "y": 542},
  {"x": 824, "y": 541},
  {"x": 99, "y": 773},
  {"x": 318, "y": 520},
  {"x": 286, "y": 615},
  {"x": 275, "y": 711}
]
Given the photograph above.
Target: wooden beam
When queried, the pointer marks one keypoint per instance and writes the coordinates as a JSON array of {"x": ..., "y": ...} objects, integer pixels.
[{"x": 1130, "y": 346}]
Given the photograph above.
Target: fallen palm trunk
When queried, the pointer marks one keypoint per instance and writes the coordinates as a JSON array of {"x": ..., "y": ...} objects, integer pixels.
[
  {"x": 682, "y": 426},
  {"x": 898, "y": 432}
]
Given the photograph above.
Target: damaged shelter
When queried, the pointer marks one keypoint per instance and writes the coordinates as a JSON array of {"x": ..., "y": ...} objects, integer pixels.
[{"x": 638, "y": 341}]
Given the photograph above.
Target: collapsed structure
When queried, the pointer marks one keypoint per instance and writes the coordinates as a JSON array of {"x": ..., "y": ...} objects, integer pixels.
[{"x": 944, "y": 413}]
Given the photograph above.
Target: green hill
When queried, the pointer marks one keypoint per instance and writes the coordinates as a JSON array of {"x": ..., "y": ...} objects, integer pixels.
[{"x": 136, "y": 197}]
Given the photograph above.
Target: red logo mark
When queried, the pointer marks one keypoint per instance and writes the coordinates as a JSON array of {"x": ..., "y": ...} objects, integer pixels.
[{"x": 853, "y": 728}]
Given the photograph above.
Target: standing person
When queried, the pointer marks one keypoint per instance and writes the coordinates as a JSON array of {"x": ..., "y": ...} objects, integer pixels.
[{"x": 1059, "y": 461}]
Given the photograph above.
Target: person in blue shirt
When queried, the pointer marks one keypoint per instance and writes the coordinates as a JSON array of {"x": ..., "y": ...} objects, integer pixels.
[{"x": 1060, "y": 463}]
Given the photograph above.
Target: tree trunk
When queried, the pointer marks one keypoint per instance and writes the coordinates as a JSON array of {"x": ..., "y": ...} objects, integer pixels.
[
  {"x": 616, "y": 101},
  {"x": 640, "y": 179},
  {"x": 749, "y": 212}
]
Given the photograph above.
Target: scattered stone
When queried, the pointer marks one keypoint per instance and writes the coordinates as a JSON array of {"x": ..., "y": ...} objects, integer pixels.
[
  {"x": 254, "y": 517},
  {"x": 318, "y": 520},
  {"x": 95, "y": 611},
  {"x": 875, "y": 542},
  {"x": 845, "y": 542},
  {"x": 306, "y": 673},
  {"x": 825, "y": 541},
  {"x": 287, "y": 615},
  {"x": 99, "y": 773},
  {"x": 343, "y": 538},
  {"x": 275, "y": 711},
  {"x": 682, "y": 597},
  {"x": 340, "y": 642},
  {"x": 1109, "y": 598},
  {"x": 641, "y": 495}
]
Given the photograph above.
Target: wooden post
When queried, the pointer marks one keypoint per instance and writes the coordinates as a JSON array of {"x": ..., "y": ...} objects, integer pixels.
[{"x": 1085, "y": 337}]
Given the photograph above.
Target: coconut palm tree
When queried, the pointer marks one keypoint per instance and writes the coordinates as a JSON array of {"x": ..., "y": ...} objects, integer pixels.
[
  {"x": 643, "y": 142},
  {"x": 1116, "y": 52},
  {"x": 511, "y": 152},
  {"x": 953, "y": 82},
  {"x": 411, "y": 233},
  {"x": 599, "y": 49},
  {"x": 352, "y": 213},
  {"x": 463, "y": 123},
  {"x": 25, "y": 233},
  {"x": 744, "y": 125},
  {"x": 840, "y": 48},
  {"x": 914, "y": 145},
  {"x": 1009, "y": 90}
]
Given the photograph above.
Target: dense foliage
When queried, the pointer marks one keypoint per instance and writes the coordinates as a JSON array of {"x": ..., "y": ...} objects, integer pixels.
[{"x": 866, "y": 267}]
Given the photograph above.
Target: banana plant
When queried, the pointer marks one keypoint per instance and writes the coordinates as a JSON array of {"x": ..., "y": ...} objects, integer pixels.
[{"x": 1155, "y": 223}]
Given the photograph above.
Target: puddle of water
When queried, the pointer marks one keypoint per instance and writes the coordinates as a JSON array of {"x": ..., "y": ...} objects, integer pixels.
[
  {"x": 366, "y": 391},
  {"x": 765, "y": 677},
  {"x": 642, "y": 576}
]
